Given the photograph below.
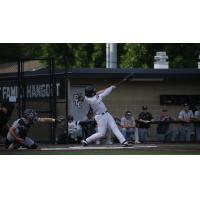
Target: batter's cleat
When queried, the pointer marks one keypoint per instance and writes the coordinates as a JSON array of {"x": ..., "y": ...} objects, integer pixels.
[
  {"x": 84, "y": 143},
  {"x": 137, "y": 142},
  {"x": 125, "y": 144}
]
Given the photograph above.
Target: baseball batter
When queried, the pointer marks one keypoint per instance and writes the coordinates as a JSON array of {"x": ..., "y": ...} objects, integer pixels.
[{"x": 102, "y": 116}]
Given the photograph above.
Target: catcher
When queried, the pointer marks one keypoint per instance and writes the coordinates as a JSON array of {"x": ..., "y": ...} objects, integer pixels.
[{"x": 17, "y": 134}]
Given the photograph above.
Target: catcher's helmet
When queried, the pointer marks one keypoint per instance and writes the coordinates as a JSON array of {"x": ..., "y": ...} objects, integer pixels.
[
  {"x": 30, "y": 115},
  {"x": 90, "y": 91}
]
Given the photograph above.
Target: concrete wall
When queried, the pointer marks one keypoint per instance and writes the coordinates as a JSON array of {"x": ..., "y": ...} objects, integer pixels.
[
  {"x": 129, "y": 96},
  {"x": 133, "y": 95}
]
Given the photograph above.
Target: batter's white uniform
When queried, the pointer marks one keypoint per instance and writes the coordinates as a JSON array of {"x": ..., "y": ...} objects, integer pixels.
[{"x": 103, "y": 118}]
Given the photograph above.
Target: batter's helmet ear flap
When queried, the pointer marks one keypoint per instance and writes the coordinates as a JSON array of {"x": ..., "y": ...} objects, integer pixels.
[{"x": 90, "y": 91}]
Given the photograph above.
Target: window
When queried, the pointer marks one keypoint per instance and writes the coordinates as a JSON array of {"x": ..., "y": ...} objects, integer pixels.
[{"x": 179, "y": 99}]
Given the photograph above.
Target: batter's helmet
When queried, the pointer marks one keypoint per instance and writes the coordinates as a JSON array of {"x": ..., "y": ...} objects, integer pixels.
[
  {"x": 90, "y": 91},
  {"x": 30, "y": 114}
]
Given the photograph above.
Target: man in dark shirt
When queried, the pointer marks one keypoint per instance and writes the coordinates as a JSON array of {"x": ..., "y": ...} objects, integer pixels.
[
  {"x": 6, "y": 110},
  {"x": 164, "y": 131},
  {"x": 88, "y": 124},
  {"x": 144, "y": 120}
]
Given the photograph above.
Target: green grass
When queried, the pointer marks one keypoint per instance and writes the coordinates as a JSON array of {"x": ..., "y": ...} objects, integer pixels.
[
  {"x": 163, "y": 149},
  {"x": 102, "y": 152}
]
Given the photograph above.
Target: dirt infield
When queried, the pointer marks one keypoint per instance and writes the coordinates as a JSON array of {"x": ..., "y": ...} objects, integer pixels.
[{"x": 139, "y": 149}]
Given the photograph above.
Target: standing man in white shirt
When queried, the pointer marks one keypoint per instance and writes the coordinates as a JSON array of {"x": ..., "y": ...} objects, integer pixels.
[
  {"x": 186, "y": 116},
  {"x": 102, "y": 116}
]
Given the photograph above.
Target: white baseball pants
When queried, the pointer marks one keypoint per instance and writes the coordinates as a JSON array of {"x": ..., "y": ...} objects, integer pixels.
[{"x": 104, "y": 122}]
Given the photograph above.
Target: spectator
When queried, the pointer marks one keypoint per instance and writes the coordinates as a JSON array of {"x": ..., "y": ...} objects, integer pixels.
[
  {"x": 197, "y": 117},
  {"x": 164, "y": 130},
  {"x": 193, "y": 108},
  {"x": 185, "y": 116},
  {"x": 61, "y": 133},
  {"x": 6, "y": 110},
  {"x": 88, "y": 124},
  {"x": 78, "y": 129},
  {"x": 144, "y": 120},
  {"x": 128, "y": 127},
  {"x": 118, "y": 122},
  {"x": 74, "y": 130}
]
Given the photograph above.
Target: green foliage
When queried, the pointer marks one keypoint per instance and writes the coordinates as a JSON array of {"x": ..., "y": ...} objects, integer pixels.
[
  {"x": 93, "y": 55},
  {"x": 13, "y": 51},
  {"x": 132, "y": 55},
  {"x": 76, "y": 55},
  {"x": 142, "y": 55}
]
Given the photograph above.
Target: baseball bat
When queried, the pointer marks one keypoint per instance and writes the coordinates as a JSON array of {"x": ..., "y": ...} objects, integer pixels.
[{"x": 124, "y": 79}]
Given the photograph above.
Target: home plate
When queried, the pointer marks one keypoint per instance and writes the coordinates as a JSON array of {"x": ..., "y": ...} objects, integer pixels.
[{"x": 97, "y": 148}]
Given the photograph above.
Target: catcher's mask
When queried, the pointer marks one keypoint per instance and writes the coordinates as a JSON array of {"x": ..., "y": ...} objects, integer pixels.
[
  {"x": 90, "y": 91},
  {"x": 30, "y": 115}
]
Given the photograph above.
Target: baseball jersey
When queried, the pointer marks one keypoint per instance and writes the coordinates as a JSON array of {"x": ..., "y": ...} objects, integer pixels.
[
  {"x": 144, "y": 116},
  {"x": 164, "y": 124},
  {"x": 22, "y": 127},
  {"x": 73, "y": 126},
  {"x": 183, "y": 115},
  {"x": 127, "y": 122},
  {"x": 96, "y": 102}
]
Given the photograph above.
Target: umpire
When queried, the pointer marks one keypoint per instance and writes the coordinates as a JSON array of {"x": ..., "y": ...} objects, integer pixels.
[
  {"x": 144, "y": 121},
  {"x": 6, "y": 111}
]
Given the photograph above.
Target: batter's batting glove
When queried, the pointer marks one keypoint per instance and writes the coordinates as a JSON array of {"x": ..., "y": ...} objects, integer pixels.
[{"x": 113, "y": 87}]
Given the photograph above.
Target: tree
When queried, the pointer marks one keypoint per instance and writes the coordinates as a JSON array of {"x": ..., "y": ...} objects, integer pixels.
[
  {"x": 93, "y": 55},
  {"x": 132, "y": 55},
  {"x": 76, "y": 55},
  {"x": 142, "y": 55},
  {"x": 13, "y": 51}
]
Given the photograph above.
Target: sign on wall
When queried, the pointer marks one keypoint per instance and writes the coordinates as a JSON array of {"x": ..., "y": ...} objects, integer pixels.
[
  {"x": 78, "y": 106},
  {"x": 179, "y": 99},
  {"x": 34, "y": 90}
]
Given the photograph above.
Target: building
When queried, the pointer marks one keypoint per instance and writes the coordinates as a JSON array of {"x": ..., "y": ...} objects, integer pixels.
[{"x": 156, "y": 88}]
